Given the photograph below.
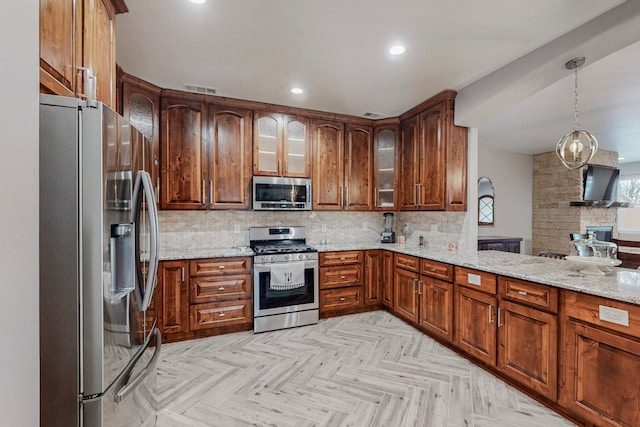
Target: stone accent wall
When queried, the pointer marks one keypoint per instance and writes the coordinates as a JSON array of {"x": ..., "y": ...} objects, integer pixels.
[
  {"x": 554, "y": 186},
  {"x": 216, "y": 229}
]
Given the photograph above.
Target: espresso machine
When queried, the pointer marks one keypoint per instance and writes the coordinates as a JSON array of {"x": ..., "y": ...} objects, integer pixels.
[{"x": 388, "y": 235}]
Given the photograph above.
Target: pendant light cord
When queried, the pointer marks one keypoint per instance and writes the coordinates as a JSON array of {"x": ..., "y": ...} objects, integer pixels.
[{"x": 576, "y": 124}]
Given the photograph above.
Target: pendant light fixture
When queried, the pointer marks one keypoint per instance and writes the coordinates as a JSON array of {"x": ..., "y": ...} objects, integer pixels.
[{"x": 578, "y": 147}]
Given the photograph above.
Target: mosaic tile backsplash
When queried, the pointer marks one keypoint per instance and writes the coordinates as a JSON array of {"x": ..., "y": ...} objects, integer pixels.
[{"x": 186, "y": 230}]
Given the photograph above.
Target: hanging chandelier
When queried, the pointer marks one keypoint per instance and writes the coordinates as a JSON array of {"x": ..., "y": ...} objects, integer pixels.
[{"x": 578, "y": 147}]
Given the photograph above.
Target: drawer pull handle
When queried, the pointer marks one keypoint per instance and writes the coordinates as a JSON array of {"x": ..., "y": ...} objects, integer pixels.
[
  {"x": 490, "y": 314},
  {"x": 221, "y": 288},
  {"x": 343, "y": 277},
  {"x": 221, "y": 267},
  {"x": 221, "y": 315},
  {"x": 433, "y": 269},
  {"x": 342, "y": 258},
  {"x": 343, "y": 299},
  {"x": 522, "y": 293}
]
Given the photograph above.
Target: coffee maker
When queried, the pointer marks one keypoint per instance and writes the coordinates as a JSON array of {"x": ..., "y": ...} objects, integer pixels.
[{"x": 388, "y": 235}]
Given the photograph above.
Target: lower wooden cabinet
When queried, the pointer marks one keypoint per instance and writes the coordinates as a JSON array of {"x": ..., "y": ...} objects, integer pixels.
[
  {"x": 387, "y": 279},
  {"x": 373, "y": 277},
  {"x": 204, "y": 297},
  {"x": 600, "y": 360},
  {"x": 436, "y": 307},
  {"x": 342, "y": 282},
  {"x": 405, "y": 295},
  {"x": 475, "y": 324},
  {"x": 173, "y": 297}
]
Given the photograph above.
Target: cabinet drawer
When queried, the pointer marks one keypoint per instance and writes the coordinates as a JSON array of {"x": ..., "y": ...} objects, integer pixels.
[
  {"x": 408, "y": 262},
  {"x": 204, "y": 316},
  {"x": 335, "y": 299},
  {"x": 436, "y": 269},
  {"x": 532, "y": 294},
  {"x": 203, "y": 267},
  {"x": 589, "y": 308},
  {"x": 478, "y": 280},
  {"x": 336, "y": 277},
  {"x": 220, "y": 288},
  {"x": 340, "y": 258}
]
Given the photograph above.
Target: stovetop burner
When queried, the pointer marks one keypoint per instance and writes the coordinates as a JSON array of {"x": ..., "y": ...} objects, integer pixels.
[{"x": 263, "y": 249}]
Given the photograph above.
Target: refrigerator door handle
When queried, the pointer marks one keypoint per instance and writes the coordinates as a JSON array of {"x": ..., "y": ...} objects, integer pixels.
[
  {"x": 144, "y": 185},
  {"x": 130, "y": 385}
]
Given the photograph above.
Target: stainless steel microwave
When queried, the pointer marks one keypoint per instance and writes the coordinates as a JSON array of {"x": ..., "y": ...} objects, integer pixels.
[{"x": 271, "y": 193}]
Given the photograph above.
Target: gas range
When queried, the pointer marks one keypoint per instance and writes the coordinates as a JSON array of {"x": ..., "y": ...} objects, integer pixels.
[{"x": 280, "y": 244}]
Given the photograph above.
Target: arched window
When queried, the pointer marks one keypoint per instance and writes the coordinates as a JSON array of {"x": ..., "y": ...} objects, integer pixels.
[{"x": 485, "y": 201}]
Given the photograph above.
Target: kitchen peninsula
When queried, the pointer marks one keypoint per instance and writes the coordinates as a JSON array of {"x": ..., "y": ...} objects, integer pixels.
[{"x": 538, "y": 323}]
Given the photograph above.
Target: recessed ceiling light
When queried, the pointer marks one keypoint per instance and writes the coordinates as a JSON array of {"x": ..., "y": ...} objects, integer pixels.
[
  {"x": 198, "y": 1},
  {"x": 297, "y": 91},
  {"x": 397, "y": 50}
]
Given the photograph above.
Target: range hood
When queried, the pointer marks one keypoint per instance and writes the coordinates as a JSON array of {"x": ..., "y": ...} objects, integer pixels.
[{"x": 602, "y": 204}]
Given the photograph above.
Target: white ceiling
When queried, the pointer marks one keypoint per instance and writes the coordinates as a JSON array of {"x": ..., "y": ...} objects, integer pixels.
[{"x": 338, "y": 52}]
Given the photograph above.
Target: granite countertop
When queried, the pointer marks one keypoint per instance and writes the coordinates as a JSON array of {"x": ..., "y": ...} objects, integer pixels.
[{"x": 620, "y": 284}]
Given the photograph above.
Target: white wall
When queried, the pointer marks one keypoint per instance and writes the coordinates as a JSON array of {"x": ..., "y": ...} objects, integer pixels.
[
  {"x": 512, "y": 178},
  {"x": 629, "y": 168},
  {"x": 19, "y": 83}
]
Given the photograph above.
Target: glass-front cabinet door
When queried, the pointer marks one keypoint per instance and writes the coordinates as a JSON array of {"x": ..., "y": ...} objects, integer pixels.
[
  {"x": 385, "y": 167},
  {"x": 281, "y": 145}
]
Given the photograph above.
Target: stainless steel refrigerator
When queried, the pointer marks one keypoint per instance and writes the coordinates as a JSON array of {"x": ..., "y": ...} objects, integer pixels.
[{"x": 98, "y": 268}]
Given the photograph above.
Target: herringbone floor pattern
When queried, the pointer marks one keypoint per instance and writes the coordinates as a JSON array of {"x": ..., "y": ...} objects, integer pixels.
[{"x": 369, "y": 369}]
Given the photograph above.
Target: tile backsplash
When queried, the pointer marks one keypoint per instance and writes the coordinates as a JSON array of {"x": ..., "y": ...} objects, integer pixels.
[{"x": 184, "y": 230}]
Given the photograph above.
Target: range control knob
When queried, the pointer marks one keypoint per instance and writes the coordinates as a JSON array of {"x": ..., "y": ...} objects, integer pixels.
[
  {"x": 287, "y": 257},
  {"x": 274, "y": 258},
  {"x": 300, "y": 256}
]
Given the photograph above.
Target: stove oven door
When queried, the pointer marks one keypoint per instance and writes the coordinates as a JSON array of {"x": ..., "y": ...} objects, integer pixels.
[{"x": 268, "y": 301}]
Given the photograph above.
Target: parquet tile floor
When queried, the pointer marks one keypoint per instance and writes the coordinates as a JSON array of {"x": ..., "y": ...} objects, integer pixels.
[{"x": 369, "y": 369}]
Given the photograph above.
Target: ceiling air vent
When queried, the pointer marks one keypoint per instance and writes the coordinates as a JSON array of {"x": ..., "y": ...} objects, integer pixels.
[
  {"x": 200, "y": 89},
  {"x": 370, "y": 115}
]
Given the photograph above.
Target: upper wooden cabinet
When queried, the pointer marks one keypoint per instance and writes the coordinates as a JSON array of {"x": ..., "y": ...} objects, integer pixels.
[
  {"x": 281, "y": 145},
  {"x": 76, "y": 35},
  {"x": 141, "y": 106},
  {"x": 385, "y": 167},
  {"x": 206, "y": 156},
  {"x": 433, "y": 160},
  {"x": 229, "y": 157},
  {"x": 342, "y": 167}
]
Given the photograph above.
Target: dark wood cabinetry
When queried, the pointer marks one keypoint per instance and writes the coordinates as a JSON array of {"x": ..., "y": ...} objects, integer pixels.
[
  {"x": 600, "y": 360},
  {"x": 387, "y": 281},
  {"x": 424, "y": 294},
  {"x": 342, "y": 167},
  {"x": 342, "y": 283},
  {"x": 433, "y": 159},
  {"x": 373, "y": 277},
  {"x": 76, "y": 35},
  {"x": 281, "y": 145},
  {"x": 206, "y": 156},
  {"x": 173, "y": 297},
  {"x": 204, "y": 297},
  {"x": 385, "y": 166},
  {"x": 141, "y": 106},
  {"x": 510, "y": 324}
]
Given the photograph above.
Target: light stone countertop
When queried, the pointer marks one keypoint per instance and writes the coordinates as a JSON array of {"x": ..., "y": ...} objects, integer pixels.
[{"x": 620, "y": 284}]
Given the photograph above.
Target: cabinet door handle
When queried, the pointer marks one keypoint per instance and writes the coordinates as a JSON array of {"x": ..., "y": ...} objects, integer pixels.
[
  {"x": 347, "y": 195},
  {"x": 221, "y": 288},
  {"x": 522, "y": 293},
  {"x": 343, "y": 299},
  {"x": 341, "y": 196},
  {"x": 286, "y": 167},
  {"x": 415, "y": 198},
  {"x": 375, "y": 196},
  {"x": 211, "y": 191},
  {"x": 490, "y": 313},
  {"x": 419, "y": 287},
  {"x": 182, "y": 273},
  {"x": 419, "y": 194},
  {"x": 499, "y": 323},
  {"x": 367, "y": 263},
  {"x": 204, "y": 201},
  {"x": 278, "y": 167}
]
